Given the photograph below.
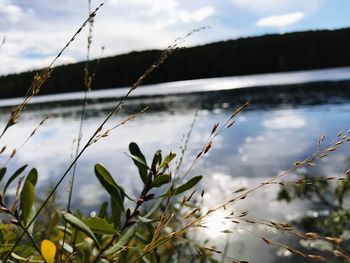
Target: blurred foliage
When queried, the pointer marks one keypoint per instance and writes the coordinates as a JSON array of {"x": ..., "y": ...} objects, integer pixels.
[
  {"x": 329, "y": 196},
  {"x": 149, "y": 228}
]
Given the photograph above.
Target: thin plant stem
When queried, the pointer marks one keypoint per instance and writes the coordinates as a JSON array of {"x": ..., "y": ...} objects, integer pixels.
[
  {"x": 184, "y": 144},
  {"x": 15, "y": 151},
  {"x": 87, "y": 84},
  {"x": 3, "y": 42},
  {"x": 43, "y": 76},
  {"x": 165, "y": 54}
]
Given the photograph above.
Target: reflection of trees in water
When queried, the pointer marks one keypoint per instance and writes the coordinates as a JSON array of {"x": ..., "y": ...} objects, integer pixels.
[{"x": 260, "y": 98}]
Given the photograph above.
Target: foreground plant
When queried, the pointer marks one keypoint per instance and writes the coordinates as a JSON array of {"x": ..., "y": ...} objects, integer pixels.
[
  {"x": 125, "y": 228},
  {"x": 154, "y": 226}
]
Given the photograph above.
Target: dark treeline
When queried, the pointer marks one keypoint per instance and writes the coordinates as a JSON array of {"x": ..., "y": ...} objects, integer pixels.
[{"x": 253, "y": 55}]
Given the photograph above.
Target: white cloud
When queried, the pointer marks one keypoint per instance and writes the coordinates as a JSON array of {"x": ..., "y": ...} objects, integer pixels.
[
  {"x": 13, "y": 13},
  {"x": 203, "y": 13},
  {"x": 90, "y": 199},
  {"x": 269, "y": 149},
  {"x": 280, "y": 20},
  {"x": 195, "y": 16},
  {"x": 31, "y": 49},
  {"x": 269, "y": 7},
  {"x": 17, "y": 64},
  {"x": 151, "y": 6},
  {"x": 43, "y": 29},
  {"x": 286, "y": 120},
  {"x": 281, "y": 130},
  {"x": 186, "y": 17}
]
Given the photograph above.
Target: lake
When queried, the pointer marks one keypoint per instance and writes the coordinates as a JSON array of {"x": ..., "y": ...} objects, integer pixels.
[{"x": 288, "y": 113}]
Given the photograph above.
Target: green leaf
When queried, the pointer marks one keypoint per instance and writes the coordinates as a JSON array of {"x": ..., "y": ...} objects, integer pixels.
[
  {"x": 157, "y": 160},
  {"x": 6, "y": 247},
  {"x": 103, "y": 210},
  {"x": 146, "y": 220},
  {"x": 116, "y": 214},
  {"x": 124, "y": 239},
  {"x": 140, "y": 161},
  {"x": 32, "y": 177},
  {"x": 100, "y": 226},
  {"x": 110, "y": 185},
  {"x": 15, "y": 256},
  {"x": 167, "y": 160},
  {"x": 155, "y": 206},
  {"x": 161, "y": 180},
  {"x": 66, "y": 246},
  {"x": 80, "y": 226},
  {"x": 2, "y": 173},
  {"x": 13, "y": 177},
  {"x": 27, "y": 201},
  {"x": 9, "y": 235},
  {"x": 2, "y": 240},
  {"x": 144, "y": 259},
  {"x": 30, "y": 218},
  {"x": 186, "y": 186},
  {"x": 27, "y": 198}
]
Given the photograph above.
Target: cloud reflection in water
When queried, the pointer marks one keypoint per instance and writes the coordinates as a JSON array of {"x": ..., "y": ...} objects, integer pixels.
[{"x": 264, "y": 141}]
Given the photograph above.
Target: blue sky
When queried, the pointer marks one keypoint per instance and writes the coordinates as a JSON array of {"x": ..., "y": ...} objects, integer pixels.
[{"x": 36, "y": 30}]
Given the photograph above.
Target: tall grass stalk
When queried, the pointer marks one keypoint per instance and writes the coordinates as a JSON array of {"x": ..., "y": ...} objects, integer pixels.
[
  {"x": 16, "y": 150},
  {"x": 87, "y": 84},
  {"x": 241, "y": 194},
  {"x": 165, "y": 220},
  {"x": 43, "y": 76},
  {"x": 184, "y": 143},
  {"x": 3, "y": 42},
  {"x": 165, "y": 54},
  {"x": 195, "y": 218}
]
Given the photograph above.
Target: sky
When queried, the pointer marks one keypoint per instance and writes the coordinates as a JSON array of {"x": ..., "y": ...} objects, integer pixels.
[{"x": 35, "y": 30}]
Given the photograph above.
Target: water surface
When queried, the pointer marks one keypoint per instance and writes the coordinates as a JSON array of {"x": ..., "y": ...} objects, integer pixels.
[{"x": 281, "y": 126}]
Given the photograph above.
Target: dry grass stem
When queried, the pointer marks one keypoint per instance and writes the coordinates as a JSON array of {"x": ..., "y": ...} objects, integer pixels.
[
  {"x": 241, "y": 193},
  {"x": 42, "y": 77},
  {"x": 162, "y": 58},
  {"x": 3, "y": 42}
]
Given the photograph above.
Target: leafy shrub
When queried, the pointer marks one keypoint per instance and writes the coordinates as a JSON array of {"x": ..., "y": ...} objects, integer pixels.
[{"x": 150, "y": 227}]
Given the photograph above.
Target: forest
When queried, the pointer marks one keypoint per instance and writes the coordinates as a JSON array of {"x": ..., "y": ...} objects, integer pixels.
[{"x": 243, "y": 56}]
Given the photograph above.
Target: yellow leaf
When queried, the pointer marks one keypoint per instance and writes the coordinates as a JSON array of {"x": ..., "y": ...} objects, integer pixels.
[{"x": 48, "y": 251}]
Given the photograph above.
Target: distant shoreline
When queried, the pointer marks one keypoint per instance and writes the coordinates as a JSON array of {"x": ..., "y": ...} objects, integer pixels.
[
  {"x": 245, "y": 56},
  {"x": 325, "y": 80}
]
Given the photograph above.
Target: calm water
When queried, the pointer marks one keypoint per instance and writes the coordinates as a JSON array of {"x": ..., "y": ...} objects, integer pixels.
[{"x": 281, "y": 126}]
